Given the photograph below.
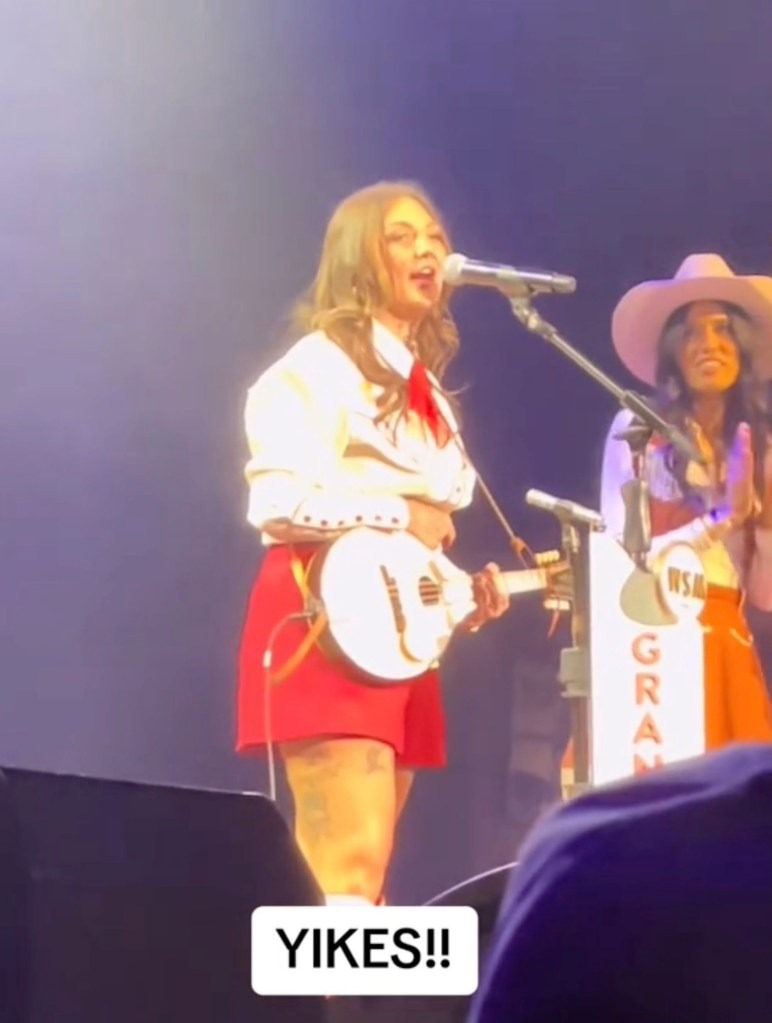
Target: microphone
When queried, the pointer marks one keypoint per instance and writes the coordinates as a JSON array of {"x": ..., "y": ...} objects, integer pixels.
[
  {"x": 457, "y": 270},
  {"x": 567, "y": 510}
]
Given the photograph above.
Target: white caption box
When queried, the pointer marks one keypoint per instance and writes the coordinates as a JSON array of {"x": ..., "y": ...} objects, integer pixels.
[{"x": 368, "y": 950}]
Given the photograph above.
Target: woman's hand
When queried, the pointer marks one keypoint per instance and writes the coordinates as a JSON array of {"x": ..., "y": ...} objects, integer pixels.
[
  {"x": 432, "y": 525},
  {"x": 740, "y": 494},
  {"x": 490, "y": 596}
]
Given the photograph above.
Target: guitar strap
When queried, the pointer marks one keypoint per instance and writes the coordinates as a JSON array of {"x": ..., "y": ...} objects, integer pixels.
[
  {"x": 519, "y": 546},
  {"x": 315, "y": 630}
]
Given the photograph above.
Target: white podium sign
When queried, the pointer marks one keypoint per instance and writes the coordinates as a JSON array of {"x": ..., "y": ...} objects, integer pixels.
[{"x": 646, "y": 655}]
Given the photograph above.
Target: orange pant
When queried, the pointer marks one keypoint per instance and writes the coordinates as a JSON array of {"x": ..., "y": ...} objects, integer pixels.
[{"x": 737, "y": 705}]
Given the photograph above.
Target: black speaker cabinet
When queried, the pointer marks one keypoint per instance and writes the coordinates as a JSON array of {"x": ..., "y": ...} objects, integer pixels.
[{"x": 131, "y": 903}]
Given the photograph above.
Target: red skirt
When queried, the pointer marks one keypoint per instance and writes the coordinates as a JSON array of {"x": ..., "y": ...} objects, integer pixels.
[{"x": 322, "y": 697}]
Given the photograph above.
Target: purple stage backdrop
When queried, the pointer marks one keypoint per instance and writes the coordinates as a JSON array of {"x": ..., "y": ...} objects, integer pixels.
[{"x": 167, "y": 170}]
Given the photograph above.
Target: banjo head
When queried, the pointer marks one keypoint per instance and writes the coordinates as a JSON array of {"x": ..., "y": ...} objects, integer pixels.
[{"x": 371, "y": 584}]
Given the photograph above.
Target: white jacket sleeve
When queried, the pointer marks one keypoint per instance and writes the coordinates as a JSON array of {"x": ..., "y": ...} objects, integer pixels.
[
  {"x": 296, "y": 432},
  {"x": 617, "y": 470},
  {"x": 758, "y": 584}
]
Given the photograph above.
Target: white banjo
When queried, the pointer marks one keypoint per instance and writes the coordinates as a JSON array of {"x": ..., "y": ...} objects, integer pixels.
[{"x": 392, "y": 604}]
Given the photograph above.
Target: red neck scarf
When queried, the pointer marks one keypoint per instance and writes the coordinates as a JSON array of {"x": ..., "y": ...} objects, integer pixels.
[{"x": 421, "y": 400}]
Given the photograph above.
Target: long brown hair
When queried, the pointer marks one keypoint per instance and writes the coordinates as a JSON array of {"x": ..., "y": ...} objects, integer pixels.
[{"x": 352, "y": 282}]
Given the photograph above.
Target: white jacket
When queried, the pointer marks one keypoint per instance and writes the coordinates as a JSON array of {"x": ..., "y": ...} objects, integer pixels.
[{"x": 320, "y": 461}]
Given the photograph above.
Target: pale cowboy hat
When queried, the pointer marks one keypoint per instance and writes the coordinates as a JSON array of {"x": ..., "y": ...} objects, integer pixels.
[{"x": 642, "y": 313}]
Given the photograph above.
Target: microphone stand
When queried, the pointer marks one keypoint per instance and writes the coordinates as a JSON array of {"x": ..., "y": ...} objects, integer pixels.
[
  {"x": 644, "y": 414},
  {"x": 635, "y": 494},
  {"x": 575, "y": 669},
  {"x": 574, "y": 675}
]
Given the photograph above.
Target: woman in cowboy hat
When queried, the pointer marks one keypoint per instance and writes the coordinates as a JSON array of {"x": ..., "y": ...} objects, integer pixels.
[{"x": 704, "y": 340}]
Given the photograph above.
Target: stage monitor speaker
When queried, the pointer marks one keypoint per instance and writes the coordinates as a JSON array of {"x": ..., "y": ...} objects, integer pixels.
[
  {"x": 484, "y": 892},
  {"x": 131, "y": 903}
]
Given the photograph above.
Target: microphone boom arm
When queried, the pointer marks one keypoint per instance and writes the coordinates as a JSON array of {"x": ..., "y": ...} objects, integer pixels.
[{"x": 532, "y": 320}]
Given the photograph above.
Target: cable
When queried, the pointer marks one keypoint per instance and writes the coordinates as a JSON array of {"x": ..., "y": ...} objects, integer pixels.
[
  {"x": 267, "y": 664},
  {"x": 519, "y": 547}
]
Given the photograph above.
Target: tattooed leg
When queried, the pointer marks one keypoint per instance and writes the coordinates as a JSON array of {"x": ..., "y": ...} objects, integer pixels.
[{"x": 345, "y": 797}]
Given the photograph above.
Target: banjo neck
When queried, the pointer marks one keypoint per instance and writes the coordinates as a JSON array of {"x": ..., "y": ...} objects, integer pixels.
[{"x": 526, "y": 580}]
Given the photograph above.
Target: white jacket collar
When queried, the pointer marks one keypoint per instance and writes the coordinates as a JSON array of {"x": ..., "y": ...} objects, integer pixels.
[{"x": 395, "y": 352}]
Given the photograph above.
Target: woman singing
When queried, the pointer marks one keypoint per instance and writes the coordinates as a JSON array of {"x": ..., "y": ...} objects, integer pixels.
[
  {"x": 704, "y": 339},
  {"x": 351, "y": 427}
]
